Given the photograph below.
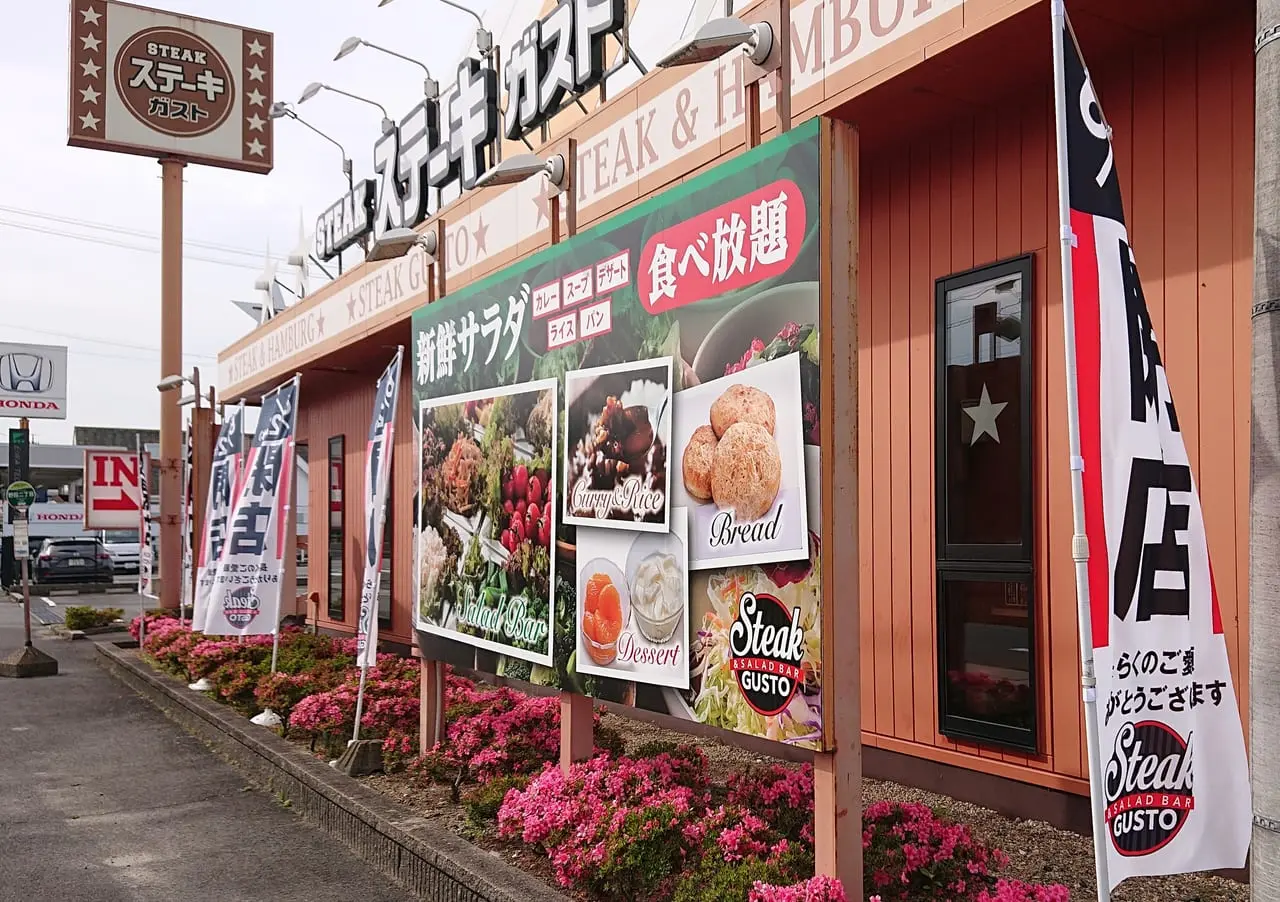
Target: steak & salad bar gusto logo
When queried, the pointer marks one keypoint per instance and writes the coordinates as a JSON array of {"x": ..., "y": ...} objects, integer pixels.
[
  {"x": 1148, "y": 785},
  {"x": 767, "y": 646},
  {"x": 241, "y": 606}
]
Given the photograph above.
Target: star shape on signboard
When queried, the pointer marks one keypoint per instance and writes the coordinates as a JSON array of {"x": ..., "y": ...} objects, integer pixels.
[
  {"x": 351, "y": 309},
  {"x": 90, "y": 42},
  {"x": 255, "y": 73},
  {"x": 480, "y": 236},
  {"x": 256, "y": 147},
  {"x": 255, "y": 48},
  {"x": 90, "y": 68},
  {"x": 255, "y": 123},
  {"x": 89, "y": 122},
  {"x": 255, "y": 98},
  {"x": 542, "y": 200},
  {"x": 320, "y": 323},
  {"x": 89, "y": 95},
  {"x": 91, "y": 16},
  {"x": 984, "y": 415}
]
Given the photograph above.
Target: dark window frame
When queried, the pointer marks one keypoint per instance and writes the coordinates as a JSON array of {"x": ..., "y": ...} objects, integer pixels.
[
  {"x": 978, "y": 562},
  {"x": 338, "y": 611},
  {"x": 301, "y": 455}
]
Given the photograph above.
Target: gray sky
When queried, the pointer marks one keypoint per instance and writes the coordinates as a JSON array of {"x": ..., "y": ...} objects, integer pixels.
[{"x": 102, "y": 300}]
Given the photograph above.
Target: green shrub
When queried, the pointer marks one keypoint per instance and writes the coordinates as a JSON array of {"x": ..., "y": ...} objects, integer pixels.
[
  {"x": 607, "y": 739},
  {"x": 655, "y": 747},
  {"x": 483, "y": 802},
  {"x": 236, "y": 682},
  {"x": 648, "y": 850},
  {"x": 717, "y": 880},
  {"x": 83, "y": 617}
]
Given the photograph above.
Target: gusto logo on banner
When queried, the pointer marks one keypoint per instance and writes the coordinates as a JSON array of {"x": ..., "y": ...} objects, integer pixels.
[{"x": 1148, "y": 784}]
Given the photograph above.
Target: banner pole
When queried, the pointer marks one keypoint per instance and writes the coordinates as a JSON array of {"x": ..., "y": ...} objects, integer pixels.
[
  {"x": 1079, "y": 538},
  {"x": 355, "y": 734}
]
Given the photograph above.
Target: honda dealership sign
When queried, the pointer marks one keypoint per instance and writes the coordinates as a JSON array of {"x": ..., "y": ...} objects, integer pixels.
[{"x": 33, "y": 381}]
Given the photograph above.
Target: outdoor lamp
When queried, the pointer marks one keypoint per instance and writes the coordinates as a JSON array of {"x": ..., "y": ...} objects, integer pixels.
[
  {"x": 716, "y": 38},
  {"x": 397, "y": 242},
  {"x": 430, "y": 87},
  {"x": 484, "y": 37},
  {"x": 280, "y": 110},
  {"x": 525, "y": 166},
  {"x": 316, "y": 87},
  {"x": 170, "y": 383}
]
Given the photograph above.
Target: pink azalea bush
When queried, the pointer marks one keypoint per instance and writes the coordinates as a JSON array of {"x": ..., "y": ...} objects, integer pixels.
[
  {"x": 1017, "y": 891},
  {"x": 815, "y": 889},
  {"x": 909, "y": 854}
]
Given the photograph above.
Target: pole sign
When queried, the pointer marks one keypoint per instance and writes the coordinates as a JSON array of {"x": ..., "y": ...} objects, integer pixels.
[
  {"x": 33, "y": 381},
  {"x": 443, "y": 141},
  {"x": 156, "y": 83},
  {"x": 21, "y": 495},
  {"x": 377, "y": 475},
  {"x": 19, "y": 458},
  {"x": 112, "y": 492}
]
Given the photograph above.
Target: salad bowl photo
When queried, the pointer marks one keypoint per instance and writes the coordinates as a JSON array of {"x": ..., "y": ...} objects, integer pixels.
[{"x": 762, "y": 317}]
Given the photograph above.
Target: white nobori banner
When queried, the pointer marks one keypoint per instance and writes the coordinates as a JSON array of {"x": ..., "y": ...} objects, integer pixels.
[
  {"x": 244, "y": 599},
  {"x": 1170, "y": 776},
  {"x": 377, "y": 476},
  {"x": 224, "y": 481}
]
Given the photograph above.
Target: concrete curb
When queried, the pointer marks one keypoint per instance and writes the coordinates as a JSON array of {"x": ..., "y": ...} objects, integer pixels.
[{"x": 424, "y": 858}]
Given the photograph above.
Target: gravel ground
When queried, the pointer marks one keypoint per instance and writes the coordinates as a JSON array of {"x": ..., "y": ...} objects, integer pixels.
[{"x": 1037, "y": 851}]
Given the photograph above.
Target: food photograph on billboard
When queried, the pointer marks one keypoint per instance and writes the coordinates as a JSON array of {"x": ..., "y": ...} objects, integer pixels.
[{"x": 618, "y": 483}]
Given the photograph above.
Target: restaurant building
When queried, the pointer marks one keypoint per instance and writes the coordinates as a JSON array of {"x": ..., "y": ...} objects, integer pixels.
[{"x": 969, "y": 665}]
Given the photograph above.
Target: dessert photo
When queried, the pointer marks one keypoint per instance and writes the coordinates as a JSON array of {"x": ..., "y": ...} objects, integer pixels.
[
  {"x": 618, "y": 436},
  {"x": 741, "y": 446},
  {"x": 486, "y": 518},
  {"x": 633, "y": 604}
]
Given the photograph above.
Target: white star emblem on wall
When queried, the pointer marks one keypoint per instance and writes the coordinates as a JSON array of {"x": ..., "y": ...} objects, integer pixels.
[
  {"x": 984, "y": 415},
  {"x": 91, "y": 16},
  {"x": 254, "y": 48},
  {"x": 89, "y": 122},
  {"x": 255, "y": 73},
  {"x": 255, "y": 98},
  {"x": 90, "y": 42},
  {"x": 90, "y": 68},
  {"x": 255, "y": 123},
  {"x": 256, "y": 147},
  {"x": 89, "y": 95}
]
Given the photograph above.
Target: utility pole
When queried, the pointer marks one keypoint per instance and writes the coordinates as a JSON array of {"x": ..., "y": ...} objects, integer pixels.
[{"x": 1264, "y": 460}]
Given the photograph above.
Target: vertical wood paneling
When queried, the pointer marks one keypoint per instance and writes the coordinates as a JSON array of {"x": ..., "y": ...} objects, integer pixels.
[
  {"x": 866, "y": 535},
  {"x": 984, "y": 188},
  {"x": 881, "y": 453},
  {"x": 919, "y": 419},
  {"x": 1215, "y": 475},
  {"x": 899, "y": 490},
  {"x": 1179, "y": 344}
]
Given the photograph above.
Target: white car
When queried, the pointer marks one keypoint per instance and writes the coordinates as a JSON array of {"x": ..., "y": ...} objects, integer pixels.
[{"x": 123, "y": 547}]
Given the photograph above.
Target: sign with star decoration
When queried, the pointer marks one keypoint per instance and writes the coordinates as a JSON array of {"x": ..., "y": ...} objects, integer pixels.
[{"x": 154, "y": 83}]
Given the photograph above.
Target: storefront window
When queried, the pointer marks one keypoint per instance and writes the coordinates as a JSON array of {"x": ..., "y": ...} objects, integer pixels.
[
  {"x": 984, "y": 506},
  {"x": 301, "y": 515},
  {"x": 384, "y": 583},
  {"x": 337, "y": 539}
]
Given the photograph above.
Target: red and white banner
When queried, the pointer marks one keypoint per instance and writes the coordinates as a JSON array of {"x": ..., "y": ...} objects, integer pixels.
[
  {"x": 1174, "y": 775},
  {"x": 377, "y": 476},
  {"x": 112, "y": 494},
  {"x": 146, "y": 551}
]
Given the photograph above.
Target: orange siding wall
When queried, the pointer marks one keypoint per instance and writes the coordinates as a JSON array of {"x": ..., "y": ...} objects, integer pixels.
[
  {"x": 343, "y": 407},
  {"x": 983, "y": 189}
]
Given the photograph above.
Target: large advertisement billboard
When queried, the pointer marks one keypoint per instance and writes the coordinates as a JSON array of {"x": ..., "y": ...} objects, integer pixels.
[{"x": 619, "y": 455}]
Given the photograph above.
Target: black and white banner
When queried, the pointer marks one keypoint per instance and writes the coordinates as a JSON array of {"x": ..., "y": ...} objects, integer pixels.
[
  {"x": 146, "y": 549},
  {"x": 1174, "y": 776},
  {"x": 377, "y": 477},
  {"x": 244, "y": 599},
  {"x": 224, "y": 484}
]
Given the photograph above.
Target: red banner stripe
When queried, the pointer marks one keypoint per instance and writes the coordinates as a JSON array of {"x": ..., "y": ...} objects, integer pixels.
[{"x": 1087, "y": 302}]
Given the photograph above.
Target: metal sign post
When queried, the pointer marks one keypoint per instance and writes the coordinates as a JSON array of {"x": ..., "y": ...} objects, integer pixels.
[{"x": 30, "y": 661}]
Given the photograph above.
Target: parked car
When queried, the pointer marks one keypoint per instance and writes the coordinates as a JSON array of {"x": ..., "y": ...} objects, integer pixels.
[
  {"x": 74, "y": 560},
  {"x": 123, "y": 546}
]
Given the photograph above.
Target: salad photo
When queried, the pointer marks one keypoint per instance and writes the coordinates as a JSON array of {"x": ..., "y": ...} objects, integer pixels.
[{"x": 485, "y": 562}]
